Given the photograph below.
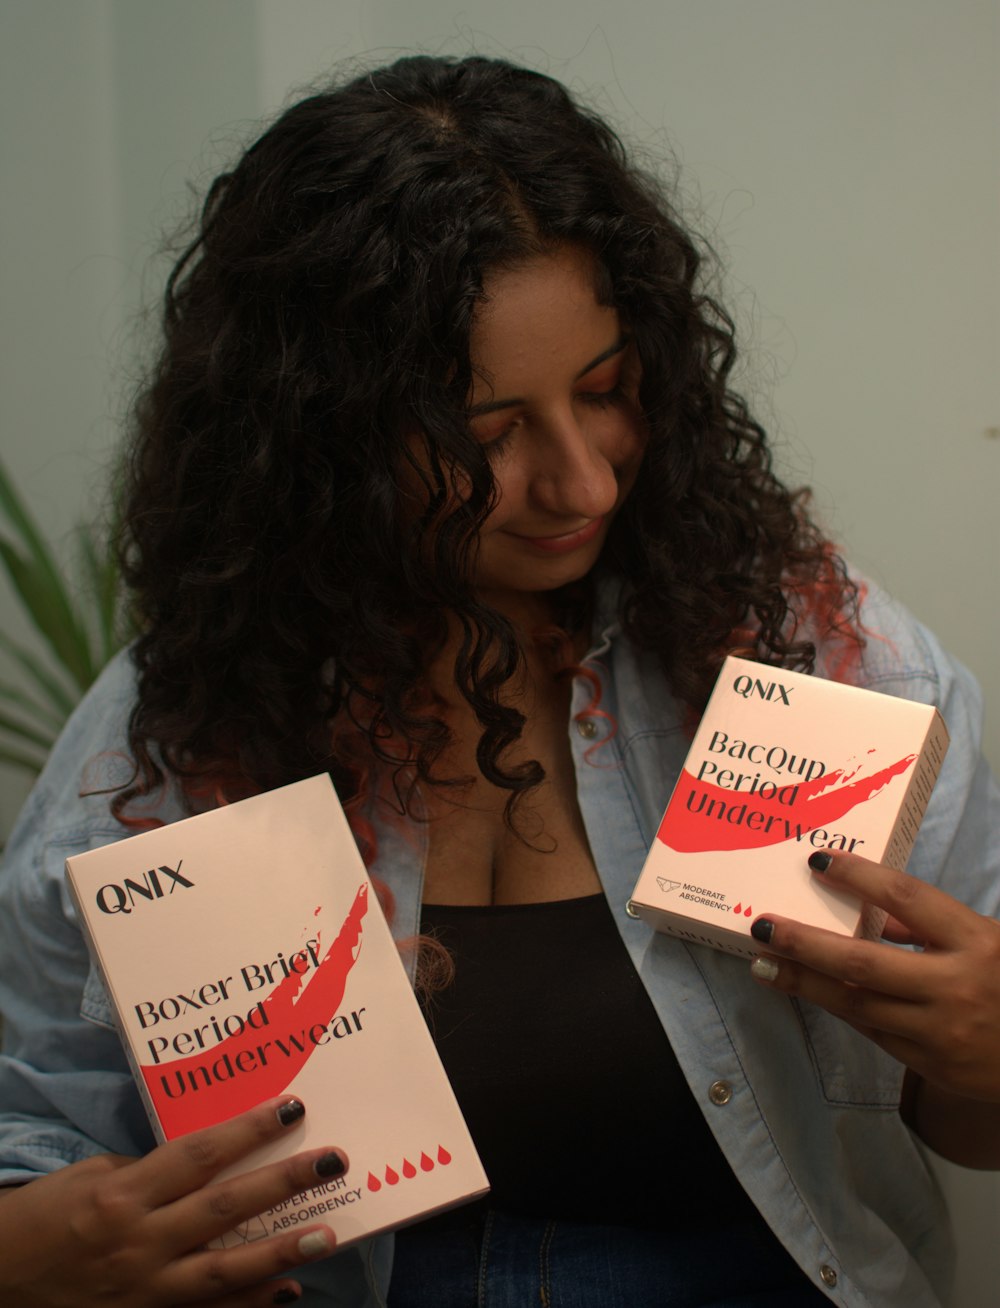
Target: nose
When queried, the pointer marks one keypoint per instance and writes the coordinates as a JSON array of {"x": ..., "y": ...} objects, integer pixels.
[{"x": 574, "y": 475}]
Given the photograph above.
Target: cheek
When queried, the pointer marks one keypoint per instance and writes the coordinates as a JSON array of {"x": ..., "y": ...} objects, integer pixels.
[{"x": 625, "y": 447}]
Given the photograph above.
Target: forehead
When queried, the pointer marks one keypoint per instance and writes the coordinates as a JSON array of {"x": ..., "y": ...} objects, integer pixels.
[{"x": 541, "y": 313}]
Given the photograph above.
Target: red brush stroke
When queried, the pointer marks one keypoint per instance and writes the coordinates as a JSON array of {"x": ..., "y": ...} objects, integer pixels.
[
  {"x": 816, "y": 805},
  {"x": 287, "y": 1015}
]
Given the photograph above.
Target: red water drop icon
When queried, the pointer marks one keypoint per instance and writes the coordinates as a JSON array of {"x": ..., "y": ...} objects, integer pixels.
[
  {"x": 748, "y": 912},
  {"x": 391, "y": 1177},
  {"x": 409, "y": 1171},
  {"x": 444, "y": 1157},
  {"x": 426, "y": 1164},
  {"x": 374, "y": 1183},
  {"x": 738, "y": 908}
]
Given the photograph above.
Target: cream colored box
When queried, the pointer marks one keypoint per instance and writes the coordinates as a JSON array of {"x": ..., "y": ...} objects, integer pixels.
[
  {"x": 784, "y": 764},
  {"x": 246, "y": 955}
]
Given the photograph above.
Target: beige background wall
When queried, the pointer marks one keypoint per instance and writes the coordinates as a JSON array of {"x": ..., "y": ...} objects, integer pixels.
[{"x": 843, "y": 157}]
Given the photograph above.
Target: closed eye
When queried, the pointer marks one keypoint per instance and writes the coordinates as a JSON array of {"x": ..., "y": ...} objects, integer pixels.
[
  {"x": 604, "y": 399},
  {"x": 494, "y": 445}
]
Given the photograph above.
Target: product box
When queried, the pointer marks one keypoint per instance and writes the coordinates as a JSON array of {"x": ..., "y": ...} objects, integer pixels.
[
  {"x": 246, "y": 956},
  {"x": 784, "y": 764}
]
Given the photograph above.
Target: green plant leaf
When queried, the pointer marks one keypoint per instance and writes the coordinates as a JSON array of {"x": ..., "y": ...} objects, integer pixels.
[
  {"x": 16, "y": 759},
  {"x": 26, "y": 529},
  {"x": 51, "y": 612},
  {"x": 39, "y": 581},
  {"x": 24, "y": 732},
  {"x": 23, "y": 701},
  {"x": 99, "y": 567},
  {"x": 76, "y": 614},
  {"x": 62, "y": 699}
]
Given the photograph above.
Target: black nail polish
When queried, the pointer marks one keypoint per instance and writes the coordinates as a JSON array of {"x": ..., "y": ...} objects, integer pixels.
[
  {"x": 291, "y": 1112},
  {"x": 286, "y": 1296},
  {"x": 329, "y": 1166},
  {"x": 762, "y": 930},
  {"x": 820, "y": 861}
]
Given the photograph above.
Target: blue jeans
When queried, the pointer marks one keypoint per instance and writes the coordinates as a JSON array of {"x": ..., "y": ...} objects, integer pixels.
[{"x": 489, "y": 1259}]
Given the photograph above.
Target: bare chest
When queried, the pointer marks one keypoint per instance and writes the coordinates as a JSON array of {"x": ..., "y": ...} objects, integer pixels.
[{"x": 474, "y": 857}]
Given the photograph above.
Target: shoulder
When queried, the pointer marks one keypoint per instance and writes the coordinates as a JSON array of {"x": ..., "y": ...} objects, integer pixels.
[
  {"x": 69, "y": 809},
  {"x": 903, "y": 657},
  {"x": 955, "y": 847},
  {"x": 898, "y": 647}
]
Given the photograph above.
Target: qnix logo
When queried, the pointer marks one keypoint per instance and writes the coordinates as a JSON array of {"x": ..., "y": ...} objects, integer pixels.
[
  {"x": 155, "y": 884},
  {"x": 754, "y": 688}
]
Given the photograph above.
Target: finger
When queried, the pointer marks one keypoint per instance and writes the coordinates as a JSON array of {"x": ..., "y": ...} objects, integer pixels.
[
  {"x": 244, "y": 1276},
  {"x": 898, "y": 934},
  {"x": 929, "y": 913},
  {"x": 269, "y": 1294},
  {"x": 871, "y": 964},
  {"x": 876, "y": 1015},
  {"x": 909, "y": 1031},
  {"x": 191, "y": 1161},
  {"x": 222, "y": 1206}
]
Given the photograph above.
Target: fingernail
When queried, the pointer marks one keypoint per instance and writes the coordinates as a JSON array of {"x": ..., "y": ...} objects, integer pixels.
[
  {"x": 286, "y": 1296},
  {"x": 291, "y": 1112},
  {"x": 315, "y": 1244},
  {"x": 820, "y": 861},
  {"x": 329, "y": 1166},
  {"x": 764, "y": 969},
  {"x": 763, "y": 930}
]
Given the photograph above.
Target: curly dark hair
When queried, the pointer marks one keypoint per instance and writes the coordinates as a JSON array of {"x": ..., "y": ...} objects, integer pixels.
[{"x": 321, "y": 314}]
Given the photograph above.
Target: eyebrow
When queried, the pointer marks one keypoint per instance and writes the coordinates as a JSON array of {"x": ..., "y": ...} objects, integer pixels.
[{"x": 492, "y": 406}]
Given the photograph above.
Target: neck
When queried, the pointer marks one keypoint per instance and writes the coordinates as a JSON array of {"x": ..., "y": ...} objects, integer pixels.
[
  {"x": 545, "y": 647},
  {"x": 527, "y": 611}
]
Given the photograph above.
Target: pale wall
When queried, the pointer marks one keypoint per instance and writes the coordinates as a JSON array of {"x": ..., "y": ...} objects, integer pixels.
[{"x": 842, "y": 156}]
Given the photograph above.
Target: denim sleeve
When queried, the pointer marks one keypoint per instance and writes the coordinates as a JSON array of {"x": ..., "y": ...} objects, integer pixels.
[
  {"x": 66, "y": 1092},
  {"x": 958, "y": 847},
  {"x": 65, "y": 1089}
]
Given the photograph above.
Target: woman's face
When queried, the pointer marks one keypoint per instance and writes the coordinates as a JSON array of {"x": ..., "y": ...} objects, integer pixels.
[{"x": 555, "y": 406}]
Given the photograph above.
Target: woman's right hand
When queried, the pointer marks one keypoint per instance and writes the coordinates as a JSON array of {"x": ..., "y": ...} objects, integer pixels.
[{"x": 131, "y": 1232}]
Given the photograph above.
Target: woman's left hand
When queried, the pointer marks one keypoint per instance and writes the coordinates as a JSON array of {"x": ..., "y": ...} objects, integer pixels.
[{"x": 935, "y": 1009}]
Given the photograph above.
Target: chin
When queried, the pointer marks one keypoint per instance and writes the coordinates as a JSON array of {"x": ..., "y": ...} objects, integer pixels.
[{"x": 536, "y": 581}]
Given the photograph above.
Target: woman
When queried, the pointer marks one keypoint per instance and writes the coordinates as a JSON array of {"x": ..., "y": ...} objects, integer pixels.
[{"x": 439, "y": 486}]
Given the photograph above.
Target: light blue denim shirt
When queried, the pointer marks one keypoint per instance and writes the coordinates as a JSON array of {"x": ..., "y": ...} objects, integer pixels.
[{"x": 803, "y": 1106}]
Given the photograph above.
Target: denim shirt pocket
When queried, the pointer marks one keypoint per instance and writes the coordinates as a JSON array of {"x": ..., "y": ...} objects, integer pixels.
[
  {"x": 95, "y": 1006},
  {"x": 853, "y": 1072}
]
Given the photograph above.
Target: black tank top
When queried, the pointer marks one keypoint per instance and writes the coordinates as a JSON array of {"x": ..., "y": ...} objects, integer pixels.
[{"x": 562, "y": 1069}]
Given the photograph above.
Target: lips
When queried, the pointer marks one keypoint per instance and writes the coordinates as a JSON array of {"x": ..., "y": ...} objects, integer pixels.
[{"x": 566, "y": 542}]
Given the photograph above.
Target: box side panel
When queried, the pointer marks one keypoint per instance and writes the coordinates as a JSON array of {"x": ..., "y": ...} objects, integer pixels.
[
  {"x": 783, "y": 764},
  {"x": 247, "y": 957}
]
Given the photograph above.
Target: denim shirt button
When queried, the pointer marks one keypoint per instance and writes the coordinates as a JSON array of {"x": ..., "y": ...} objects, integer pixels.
[
  {"x": 828, "y": 1275},
  {"x": 587, "y": 728},
  {"x": 720, "y": 1092}
]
